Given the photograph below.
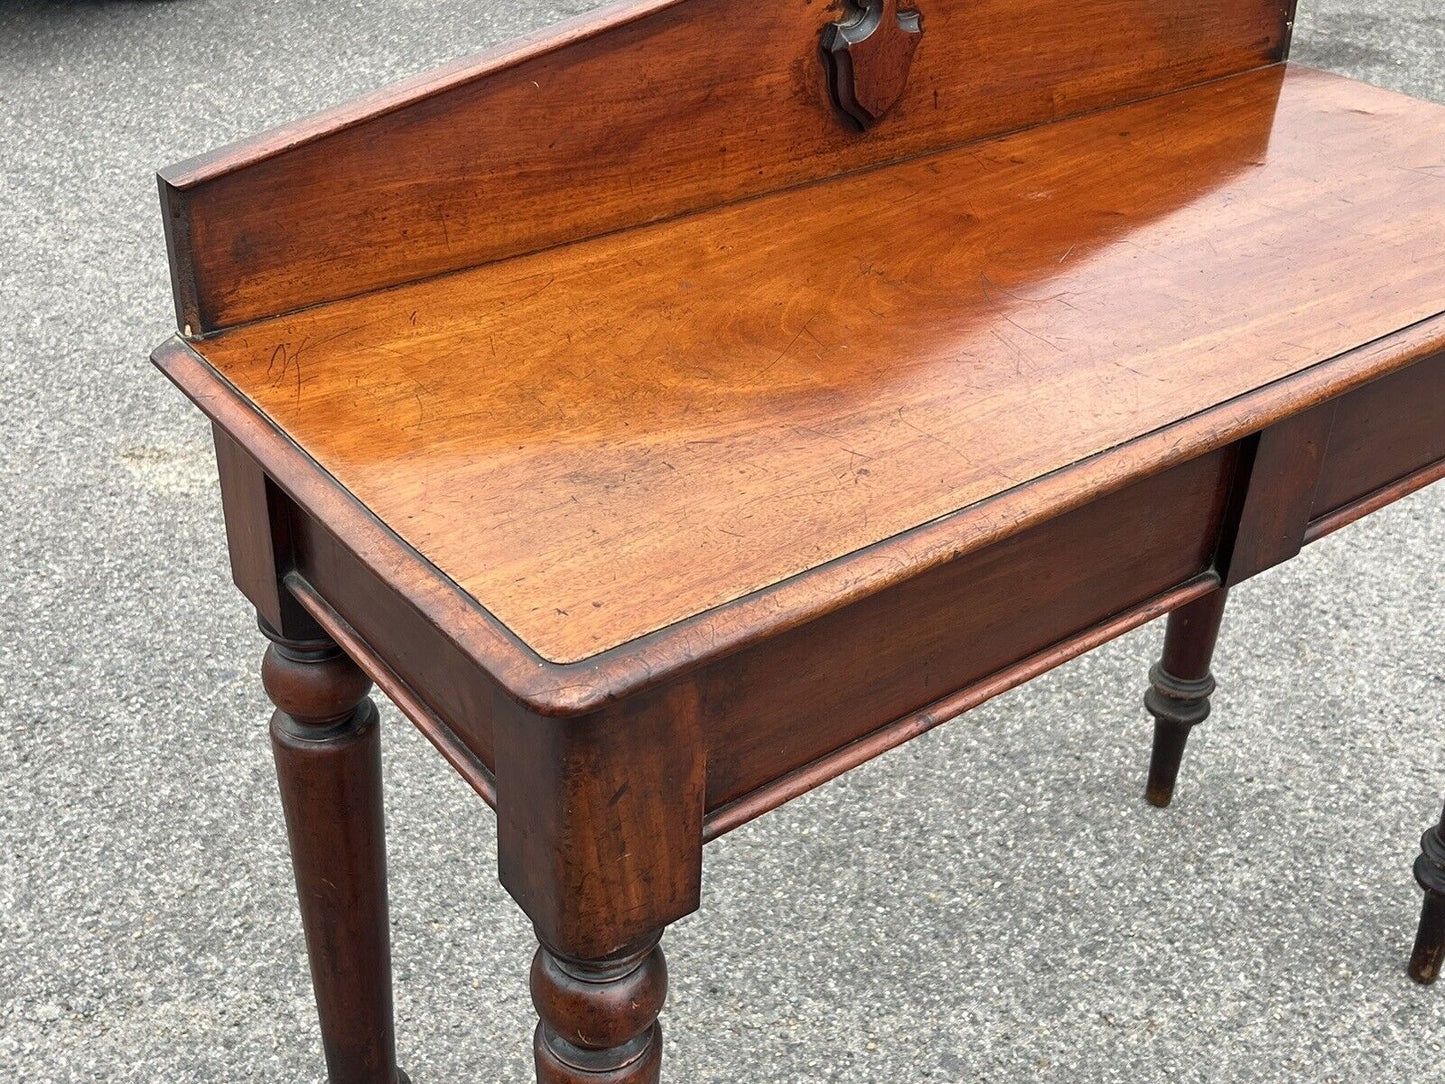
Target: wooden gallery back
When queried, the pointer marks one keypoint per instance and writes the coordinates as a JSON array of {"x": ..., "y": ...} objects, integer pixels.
[{"x": 640, "y": 113}]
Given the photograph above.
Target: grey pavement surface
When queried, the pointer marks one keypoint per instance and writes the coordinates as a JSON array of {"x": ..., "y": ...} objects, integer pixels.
[{"x": 994, "y": 902}]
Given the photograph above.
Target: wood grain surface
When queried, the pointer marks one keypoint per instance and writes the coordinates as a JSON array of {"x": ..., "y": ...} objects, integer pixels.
[
  {"x": 637, "y": 112},
  {"x": 665, "y": 445},
  {"x": 1382, "y": 433},
  {"x": 601, "y": 440}
]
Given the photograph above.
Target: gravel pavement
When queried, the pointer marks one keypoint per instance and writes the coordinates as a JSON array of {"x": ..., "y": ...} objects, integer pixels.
[{"x": 993, "y": 902}]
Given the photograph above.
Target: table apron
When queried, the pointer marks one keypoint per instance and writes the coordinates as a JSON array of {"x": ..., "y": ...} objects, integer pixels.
[{"x": 783, "y": 715}]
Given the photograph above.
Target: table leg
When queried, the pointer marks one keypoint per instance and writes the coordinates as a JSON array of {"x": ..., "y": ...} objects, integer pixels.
[
  {"x": 328, "y": 761},
  {"x": 599, "y": 1017},
  {"x": 1430, "y": 873},
  {"x": 599, "y": 840},
  {"x": 1178, "y": 696}
]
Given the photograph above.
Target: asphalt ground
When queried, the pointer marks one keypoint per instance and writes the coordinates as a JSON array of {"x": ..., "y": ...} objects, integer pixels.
[{"x": 993, "y": 902}]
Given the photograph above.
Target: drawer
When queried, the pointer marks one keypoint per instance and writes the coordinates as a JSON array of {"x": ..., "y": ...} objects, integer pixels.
[
  {"x": 1381, "y": 433},
  {"x": 957, "y": 624}
]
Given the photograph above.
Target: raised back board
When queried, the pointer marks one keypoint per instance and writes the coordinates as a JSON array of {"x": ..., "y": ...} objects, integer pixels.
[{"x": 640, "y": 112}]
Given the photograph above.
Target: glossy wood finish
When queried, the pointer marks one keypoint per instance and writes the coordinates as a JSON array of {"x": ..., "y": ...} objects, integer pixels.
[
  {"x": 637, "y": 113},
  {"x": 426, "y": 675},
  {"x": 1276, "y": 495},
  {"x": 736, "y": 447},
  {"x": 734, "y": 437},
  {"x": 1389, "y": 429},
  {"x": 379, "y": 564},
  {"x": 368, "y": 584},
  {"x": 325, "y": 736},
  {"x": 1179, "y": 689},
  {"x": 862, "y": 666},
  {"x": 599, "y": 1017},
  {"x": 869, "y": 53}
]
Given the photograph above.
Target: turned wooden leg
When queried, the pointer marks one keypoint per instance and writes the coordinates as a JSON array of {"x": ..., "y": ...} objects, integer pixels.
[
  {"x": 1180, "y": 684},
  {"x": 328, "y": 761},
  {"x": 599, "y": 1017},
  {"x": 1430, "y": 873}
]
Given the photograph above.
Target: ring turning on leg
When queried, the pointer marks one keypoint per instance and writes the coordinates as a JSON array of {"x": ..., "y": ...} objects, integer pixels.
[
  {"x": 1180, "y": 684},
  {"x": 599, "y": 1017},
  {"x": 1178, "y": 706},
  {"x": 1430, "y": 873},
  {"x": 328, "y": 761}
]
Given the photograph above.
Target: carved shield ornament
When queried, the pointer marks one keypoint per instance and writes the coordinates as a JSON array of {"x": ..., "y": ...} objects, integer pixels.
[{"x": 868, "y": 54}]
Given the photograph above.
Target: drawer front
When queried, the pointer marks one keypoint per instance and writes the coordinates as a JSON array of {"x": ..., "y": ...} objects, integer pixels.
[
  {"x": 1382, "y": 433},
  {"x": 875, "y": 661}
]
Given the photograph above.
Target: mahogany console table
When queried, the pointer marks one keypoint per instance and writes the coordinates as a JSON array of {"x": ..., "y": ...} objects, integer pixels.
[{"x": 676, "y": 409}]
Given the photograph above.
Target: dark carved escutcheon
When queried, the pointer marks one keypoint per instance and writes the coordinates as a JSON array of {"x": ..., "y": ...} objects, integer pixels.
[{"x": 868, "y": 54}]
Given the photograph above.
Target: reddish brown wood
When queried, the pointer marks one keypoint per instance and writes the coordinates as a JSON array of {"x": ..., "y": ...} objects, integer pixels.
[
  {"x": 869, "y": 53},
  {"x": 1180, "y": 685},
  {"x": 673, "y": 502},
  {"x": 841, "y": 677},
  {"x": 411, "y": 704},
  {"x": 634, "y": 114},
  {"x": 1387, "y": 431},
  {"x": 409, "y": 639},
  {"x": 1429, "y": 951},
  {"x": 599, "y": 1017},
  {"x": 1373, "y": 502},
  {"x": 425, "y": 674},
  {"x": 599, "y": 819},
  {"x": 326, "y": 741},
  {"x": 1279, "y": 471},
  {"x": 368, "y": 598},
  {"x": 258, "y": 519},
  {"x": 969, "y": 337},
  {"x": 381, "y": 562},
  {"x": 801, "y": 780}
]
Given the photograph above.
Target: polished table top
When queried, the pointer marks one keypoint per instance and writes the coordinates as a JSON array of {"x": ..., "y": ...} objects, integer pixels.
[{"x": 599, "y": 440}]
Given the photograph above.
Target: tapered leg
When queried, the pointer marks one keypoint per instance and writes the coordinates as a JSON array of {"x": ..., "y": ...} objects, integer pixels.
[
  {"x": 328, "y": 761},
  {"x": 1180, "y": 684},
  {"x": 1430, "y": 940},
  {"x": 599, "y": 1017}
]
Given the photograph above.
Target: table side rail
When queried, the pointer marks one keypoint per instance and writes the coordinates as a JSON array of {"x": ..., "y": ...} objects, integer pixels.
[
  {"x": 410, "y": 652},
  {"x": 445, "y": 684},
  {"x": 1387, "y": 439},
  {"x": 1346, "y": 514},
  {"x": 467, "y": 763},
  {"x": 1308, "y": 474},
  {"x": 444, "y": 718},
  {"x": 777, "y": 706},
  {"x": 801, "y": 780}
]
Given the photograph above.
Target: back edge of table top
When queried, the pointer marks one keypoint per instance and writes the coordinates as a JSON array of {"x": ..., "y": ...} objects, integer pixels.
[{"x": 652, "y": 445}]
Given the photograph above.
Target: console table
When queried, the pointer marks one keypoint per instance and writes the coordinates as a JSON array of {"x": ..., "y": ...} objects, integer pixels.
[{"x": 678, "y": 408}]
